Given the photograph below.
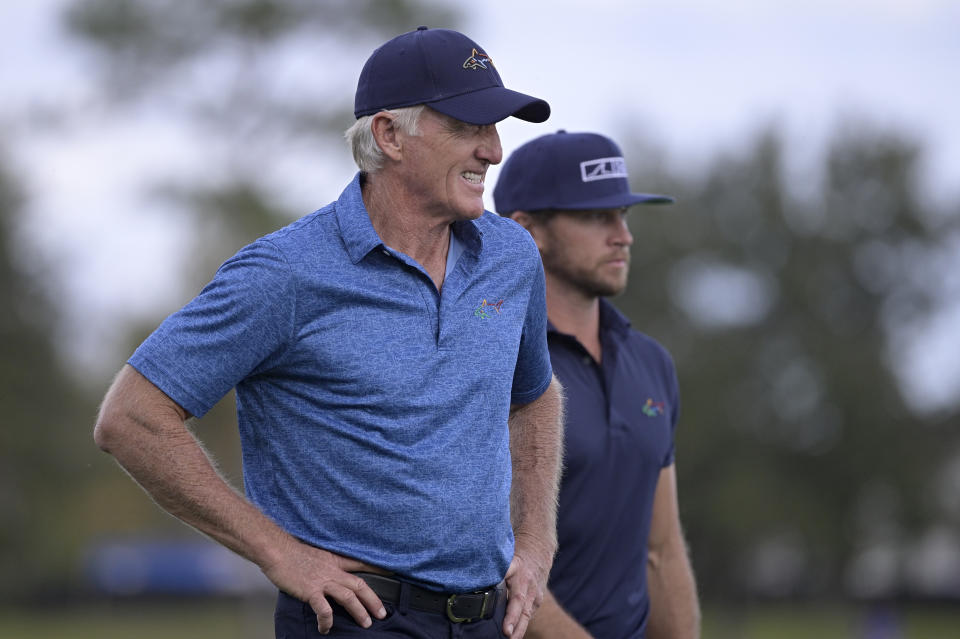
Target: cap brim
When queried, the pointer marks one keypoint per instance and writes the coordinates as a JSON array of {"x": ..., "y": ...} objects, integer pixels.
[
  {"x": 491, "y": 105},
  {"x": 616, "y": 201}
]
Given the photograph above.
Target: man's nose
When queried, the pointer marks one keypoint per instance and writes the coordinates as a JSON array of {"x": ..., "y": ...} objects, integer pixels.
[
  {"x": 621, "y": 234},
  {"x": 489, "y": 149}
]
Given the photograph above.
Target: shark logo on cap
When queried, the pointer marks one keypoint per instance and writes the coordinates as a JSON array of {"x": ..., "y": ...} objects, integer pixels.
[{"x": 477, "y": 60}]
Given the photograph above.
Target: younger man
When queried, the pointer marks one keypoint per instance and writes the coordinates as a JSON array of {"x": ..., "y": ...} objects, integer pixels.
[{"x": 622, "y": 568}]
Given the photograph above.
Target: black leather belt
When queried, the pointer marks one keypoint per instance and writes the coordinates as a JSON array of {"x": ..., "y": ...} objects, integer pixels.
[{"x": 461, "y": 608}]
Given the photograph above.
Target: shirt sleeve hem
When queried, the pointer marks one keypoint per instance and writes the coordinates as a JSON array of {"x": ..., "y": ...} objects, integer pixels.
[
  {"x": 529, "y": 396},
  {"x": 166, "y": 383}
]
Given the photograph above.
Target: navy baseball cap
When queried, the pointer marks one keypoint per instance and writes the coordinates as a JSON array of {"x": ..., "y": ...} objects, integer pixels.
[
  {"x": 446, "y": 70},
  {"x": 567, "y": 171}
]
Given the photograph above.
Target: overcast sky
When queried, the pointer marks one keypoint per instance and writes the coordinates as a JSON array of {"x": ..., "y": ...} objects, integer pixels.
[
  {"x": 696, "y": 76},
  {"x": 703, "y": 75}
]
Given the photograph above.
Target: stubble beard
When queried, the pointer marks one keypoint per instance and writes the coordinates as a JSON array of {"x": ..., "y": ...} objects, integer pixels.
[{"x": 587, "y": 281}]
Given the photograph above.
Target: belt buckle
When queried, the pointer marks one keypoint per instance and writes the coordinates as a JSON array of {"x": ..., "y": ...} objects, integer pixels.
[{"x": 451, "y": 600}]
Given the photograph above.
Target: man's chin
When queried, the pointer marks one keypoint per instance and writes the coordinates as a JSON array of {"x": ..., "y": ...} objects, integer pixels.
[
  {"x": 608, "y": 289},
  {"x": 610, "y": 292},
  {"x": 472, "y": 213}
]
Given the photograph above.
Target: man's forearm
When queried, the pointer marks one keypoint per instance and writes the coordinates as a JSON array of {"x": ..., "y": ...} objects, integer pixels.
[
  {"x": 149, "y": 439},
  {"x": 674, "y": 607},
  {"x": 551, "y": 621},
  {"x": 536, "y": 447}
]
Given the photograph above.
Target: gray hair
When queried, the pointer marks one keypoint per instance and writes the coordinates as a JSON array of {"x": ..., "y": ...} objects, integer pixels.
[{"x": 366, "y": 153}]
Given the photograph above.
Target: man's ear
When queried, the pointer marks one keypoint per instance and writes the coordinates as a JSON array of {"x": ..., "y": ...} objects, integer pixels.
[
  {"x": 386, "y": 135},
  {"x": 522, "y": 218},
  {"x": 529, "y": 222}
]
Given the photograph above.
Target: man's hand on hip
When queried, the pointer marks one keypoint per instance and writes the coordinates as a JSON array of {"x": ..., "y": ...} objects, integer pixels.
[{"x": 315, "y": 575}]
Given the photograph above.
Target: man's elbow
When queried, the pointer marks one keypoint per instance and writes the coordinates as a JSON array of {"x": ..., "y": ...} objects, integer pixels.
[
  {"x": 108, "y": 429},
  {"x": 127, "y": 410},
  {"x": 666, "y": 551},
  {"x": 654, "y": 559},
  {"x": 117, "y": 422}
]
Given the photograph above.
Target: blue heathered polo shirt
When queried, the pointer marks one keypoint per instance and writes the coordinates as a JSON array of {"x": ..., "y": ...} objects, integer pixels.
[
  {"x": 372, "y": 409},
  {"x": 620, "y": 421}
]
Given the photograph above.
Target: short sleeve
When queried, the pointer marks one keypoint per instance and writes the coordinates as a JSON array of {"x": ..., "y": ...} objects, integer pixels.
[
  {"x": 533, "y": 371},
  {"x": 673, "y": 392},
  {"x": 238, "y": 322}
]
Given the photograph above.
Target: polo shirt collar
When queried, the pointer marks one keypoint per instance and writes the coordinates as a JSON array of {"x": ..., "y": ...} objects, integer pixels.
[
  {"x": 611, "y": 320},
  {"x": 356, "y": 229},
  {"x": 469, "y": 235},
  {"x": 359, "y": 236}
]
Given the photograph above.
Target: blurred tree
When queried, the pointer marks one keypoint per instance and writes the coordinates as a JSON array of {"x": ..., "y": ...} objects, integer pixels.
[
  {"x": 797, "y": 448},
  {"x": 41, "y": 449},
  {"x": 257, "y": 82}
]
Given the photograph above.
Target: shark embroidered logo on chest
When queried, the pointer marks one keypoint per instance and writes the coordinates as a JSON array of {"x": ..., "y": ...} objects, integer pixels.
[
  {"x": 652, "y": 408},
  {"x": 486, "y": 309}
]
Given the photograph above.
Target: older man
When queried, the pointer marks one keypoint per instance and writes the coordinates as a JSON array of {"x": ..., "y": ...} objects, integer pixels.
[
  {"x": 621, "y": 569},
  {"x": 389, "y": 357}
]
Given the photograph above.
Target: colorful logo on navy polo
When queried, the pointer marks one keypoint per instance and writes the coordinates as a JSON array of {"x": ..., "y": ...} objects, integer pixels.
[
  {"x": 478, "y": 60},
  {"x": 652, "y": 408},
  {"x": 487, "y": 309}
]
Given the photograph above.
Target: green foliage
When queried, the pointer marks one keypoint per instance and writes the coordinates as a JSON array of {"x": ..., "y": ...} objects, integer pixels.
[
  {"x": 44, "y": 442},
  {"x": 141, "y": 45},
  {"x": 164, "y": 30},
  {"x": 225, "y": 217},
  {"x": 213, "y": 67},
  {"x": 792, "y": 415}
]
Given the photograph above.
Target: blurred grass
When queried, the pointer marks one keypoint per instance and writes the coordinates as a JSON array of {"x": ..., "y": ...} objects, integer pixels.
[
  {"x": 820, "y": 621},
  {"x": 207, "y": 619},
  {"x": 253, "y": 619}
]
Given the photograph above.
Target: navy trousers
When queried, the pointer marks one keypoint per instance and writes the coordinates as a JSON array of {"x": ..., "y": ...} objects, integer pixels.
[{"x": 295, "y": 619}]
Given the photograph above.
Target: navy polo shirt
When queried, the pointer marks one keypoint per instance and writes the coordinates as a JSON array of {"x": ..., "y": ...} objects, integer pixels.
[
  {"x": 620, "y": 421},
  {"x": 372, "y": 407}
]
